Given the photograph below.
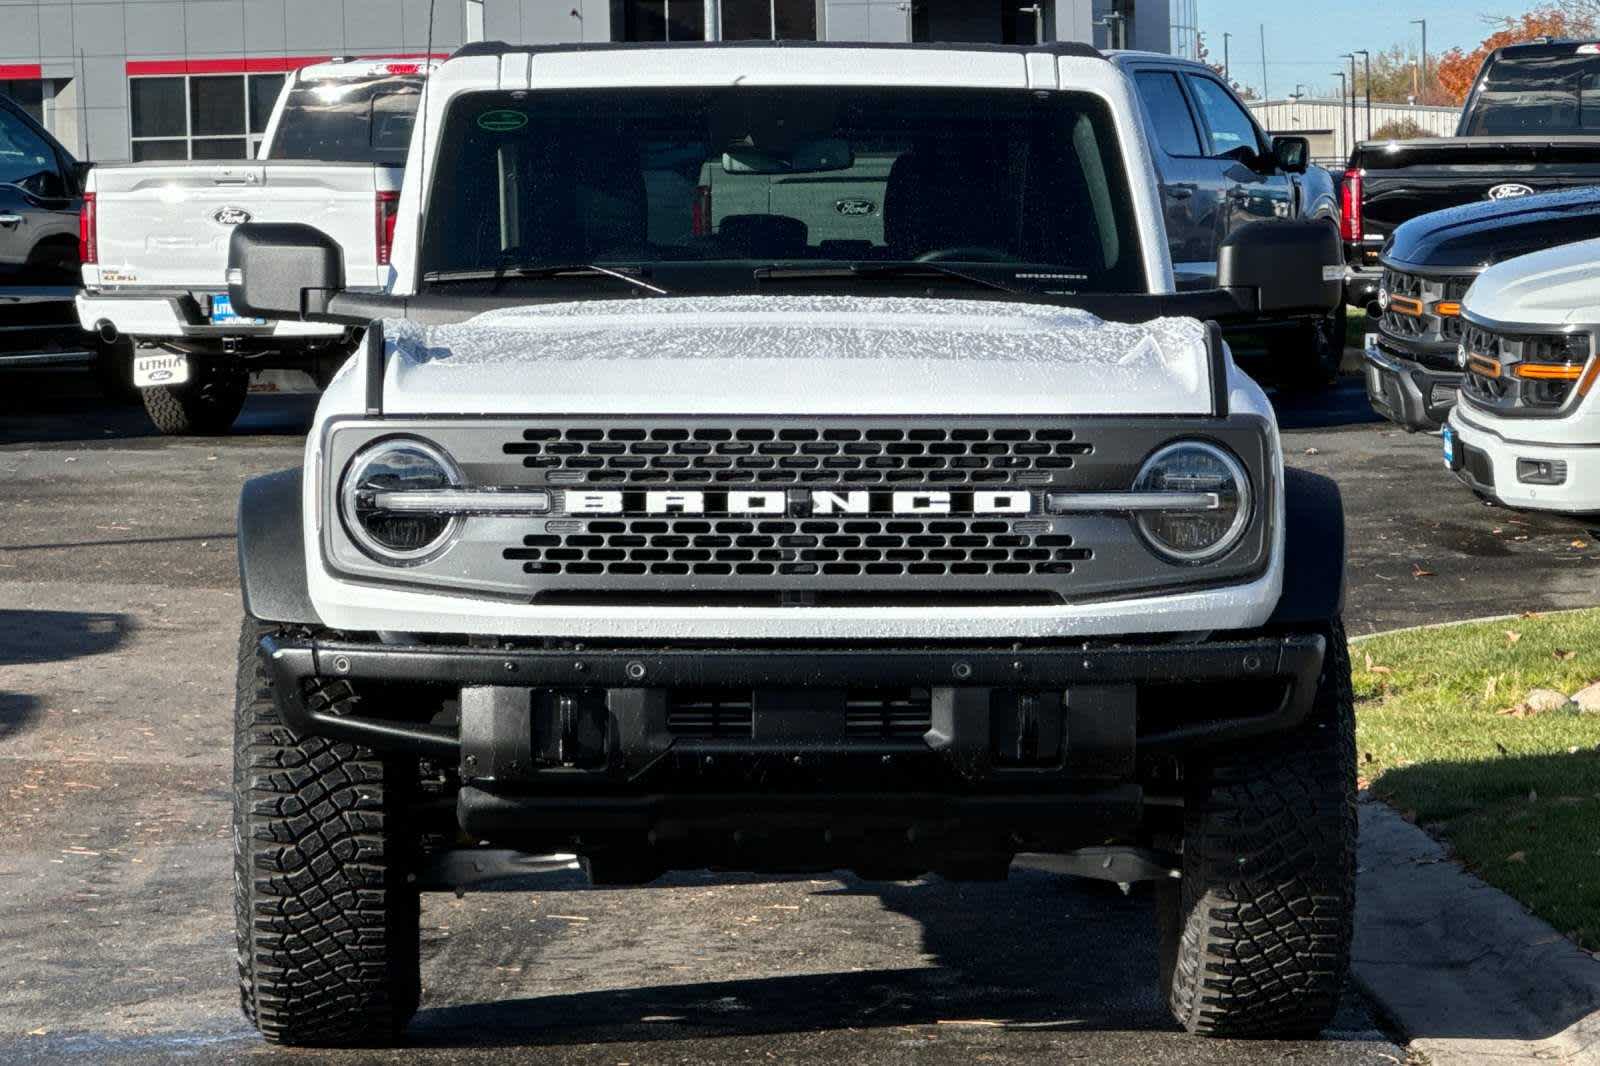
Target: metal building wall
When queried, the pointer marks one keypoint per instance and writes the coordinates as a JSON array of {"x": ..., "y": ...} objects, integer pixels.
[{"x": 1326, "y": 121}]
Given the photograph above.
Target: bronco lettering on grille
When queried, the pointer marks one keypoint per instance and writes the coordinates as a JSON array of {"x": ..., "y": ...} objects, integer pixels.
[{"x": 798, "y": 502}]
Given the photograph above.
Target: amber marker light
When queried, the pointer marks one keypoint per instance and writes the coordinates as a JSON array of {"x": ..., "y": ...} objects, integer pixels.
[{"x": 1548, "y": 371}]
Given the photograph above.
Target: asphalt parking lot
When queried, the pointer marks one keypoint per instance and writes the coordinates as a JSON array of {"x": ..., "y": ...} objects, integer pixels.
[{"x": 118, "y": 618}]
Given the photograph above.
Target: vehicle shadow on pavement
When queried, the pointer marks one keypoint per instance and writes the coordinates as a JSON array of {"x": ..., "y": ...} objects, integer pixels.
[
  {"x": 1040, "y": 952},
  {"x": 41, "y": 407},
  {"x": 28, "y": 637}
]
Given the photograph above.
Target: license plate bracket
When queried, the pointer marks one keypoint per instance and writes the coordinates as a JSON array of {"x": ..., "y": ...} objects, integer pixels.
[{"x": 160, "y": 368}]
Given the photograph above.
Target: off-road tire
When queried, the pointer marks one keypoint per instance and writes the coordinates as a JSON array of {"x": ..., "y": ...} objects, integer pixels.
[
  {"x": 205, "y": 406},
  {"x": 327, "y": 919},
  {"x": 1256, "y": 935},
  {"x": 1307, "y": 358}
]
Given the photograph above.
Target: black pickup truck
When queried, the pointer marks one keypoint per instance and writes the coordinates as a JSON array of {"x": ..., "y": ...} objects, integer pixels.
[
  {"x": 1531, "y": 124},
  {"x": 1412, "y": 365}
]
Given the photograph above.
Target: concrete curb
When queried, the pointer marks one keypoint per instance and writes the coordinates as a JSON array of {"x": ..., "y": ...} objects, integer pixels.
[
  {"x": 1363, "y": 637},
  {"x": 1461, "y": 968}
]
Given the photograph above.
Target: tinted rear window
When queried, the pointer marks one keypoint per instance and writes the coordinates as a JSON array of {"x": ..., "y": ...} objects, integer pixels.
[
  {"x": 348, "y": 120},
  {"x": 1537, "y": 93}
]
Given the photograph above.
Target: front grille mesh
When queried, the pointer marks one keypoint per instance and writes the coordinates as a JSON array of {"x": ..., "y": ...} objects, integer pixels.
[
  {"x": 889, "y": 547},
  {"x": 796, "y": 455},
  {"x": 1510, "y": 393},
  {"x": 868, "y": 714},
  {"x": 1428, "y": 328}
]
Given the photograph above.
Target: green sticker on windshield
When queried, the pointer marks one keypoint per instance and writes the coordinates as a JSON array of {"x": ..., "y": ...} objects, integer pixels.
[{"x": 502, "y": 121}]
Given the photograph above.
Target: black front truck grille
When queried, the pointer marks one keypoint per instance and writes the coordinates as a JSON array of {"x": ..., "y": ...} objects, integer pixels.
[
  {"x": 688, "y": 547},
  {"x": 1428, "y": 329},
  {"x": 796, "y": 455}
]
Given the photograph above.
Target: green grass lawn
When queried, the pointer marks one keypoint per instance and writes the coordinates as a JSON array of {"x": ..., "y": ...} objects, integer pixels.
[{"x": 1516, "y": 795}]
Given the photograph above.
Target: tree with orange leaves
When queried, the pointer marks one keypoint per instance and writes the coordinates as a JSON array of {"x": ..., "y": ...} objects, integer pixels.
[{"x": 1455, "y": 71}]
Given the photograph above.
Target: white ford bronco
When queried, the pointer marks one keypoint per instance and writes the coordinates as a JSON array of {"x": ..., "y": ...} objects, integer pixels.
[
  {"x": 1526, "y": 430},
  {"x": 683, "y": 538}
]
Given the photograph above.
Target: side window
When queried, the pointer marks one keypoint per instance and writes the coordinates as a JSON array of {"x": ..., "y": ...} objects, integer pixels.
[
  {"x": 1231, "y": 128},
  {"x": 26, "y": 159},
  {"x": 1169, "y": 112}
]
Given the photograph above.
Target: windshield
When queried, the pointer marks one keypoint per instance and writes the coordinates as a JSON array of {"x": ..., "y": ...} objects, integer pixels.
[
  {"x": 346, "y": 120},
  {"x": 1538, "y": 93},
  {"x": 1017, "y": 186}
]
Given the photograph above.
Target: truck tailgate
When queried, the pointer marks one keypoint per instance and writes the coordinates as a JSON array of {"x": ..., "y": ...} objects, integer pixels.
[
  {"x": 1411, "y": 178},
  {"x": 167, "y": 225}
]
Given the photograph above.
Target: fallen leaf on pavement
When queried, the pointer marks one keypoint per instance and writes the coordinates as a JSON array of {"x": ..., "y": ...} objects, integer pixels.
[
  {"x": 1531, "y": 614},
  {"x": 1313, "y": 451},
  {"x": 1418, "y": 570},
  {"x": 1580, "y": 544}
]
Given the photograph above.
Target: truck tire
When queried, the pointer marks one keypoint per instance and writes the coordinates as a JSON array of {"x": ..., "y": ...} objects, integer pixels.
[
  {"x": 1256, "y": 934},
  {"x": 206, "y": 405},
  {"x": 327, "y": 917},
  {"x": 1307, "y": 358}
]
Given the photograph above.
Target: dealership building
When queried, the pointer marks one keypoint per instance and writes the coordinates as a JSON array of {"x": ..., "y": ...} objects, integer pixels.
[{"x": 195, "y": 79}]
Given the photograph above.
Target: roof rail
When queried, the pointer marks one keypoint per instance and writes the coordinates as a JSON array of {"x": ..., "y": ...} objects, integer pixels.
[{"x": 1073, "y": 49}]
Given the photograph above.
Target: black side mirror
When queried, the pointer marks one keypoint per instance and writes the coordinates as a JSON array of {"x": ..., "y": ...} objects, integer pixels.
[
  {"x": 1283, "y": 267},
  {"x": 283, "y": 270},
  {"x": 1292, "y": 154}
]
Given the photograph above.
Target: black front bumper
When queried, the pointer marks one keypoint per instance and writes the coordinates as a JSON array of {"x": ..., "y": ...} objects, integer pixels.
[
  {"x": 623, "y": 737},
  {"x": 1406, "y": 392}
]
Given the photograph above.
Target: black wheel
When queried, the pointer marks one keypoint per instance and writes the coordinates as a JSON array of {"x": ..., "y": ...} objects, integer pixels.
[
  {"x": 327, "y": 919},
  {"x": 1308, "y": 357},
  {"x": 1256, "y": 935},
  {"x": 207, "y": 404}
]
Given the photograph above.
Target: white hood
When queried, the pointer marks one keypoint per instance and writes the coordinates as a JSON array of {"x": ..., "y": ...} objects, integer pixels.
[
  {"x": 801, "y": 355},
  {"x": 1556, "y": 287}
]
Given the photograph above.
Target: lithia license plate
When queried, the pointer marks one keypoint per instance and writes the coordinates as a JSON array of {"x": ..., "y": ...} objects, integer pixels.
[{"x": 162, "y": 368}]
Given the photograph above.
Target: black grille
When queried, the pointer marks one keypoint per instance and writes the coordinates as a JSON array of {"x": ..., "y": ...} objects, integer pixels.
[
  {"x": 711, "y": 714},
  {"x": 1443, "y": 332},
  {"x": 868, "y": 714},
  {"x": 888, "y": 547},
  {"x": 796, "y": 455},
  {"x": 889, "y": 714}
]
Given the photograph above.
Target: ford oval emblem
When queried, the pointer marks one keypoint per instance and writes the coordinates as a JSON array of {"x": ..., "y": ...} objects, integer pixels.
[
  {"x": 1509, "y": 190},
  {"x": 855, "y": 207},
  {"x": 230, "y": 216}
]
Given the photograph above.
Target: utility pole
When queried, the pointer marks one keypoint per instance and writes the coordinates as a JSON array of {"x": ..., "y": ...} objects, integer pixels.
[
  {"x": 1366, "y": 62},
  {"x": 1355, "y": 127},
  {"x": 1227, "y": 73},
  {"x": 1344, "y": 116},
  {"x": 713, "y": 20},
  {"x": 1265, "y": 95},
  {"x": 1422, "y": 94}
]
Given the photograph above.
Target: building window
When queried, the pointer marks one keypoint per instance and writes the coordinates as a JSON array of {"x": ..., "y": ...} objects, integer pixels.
[
  {"x": 211, "y": 116},
  {"x": 742, "y": 20}
]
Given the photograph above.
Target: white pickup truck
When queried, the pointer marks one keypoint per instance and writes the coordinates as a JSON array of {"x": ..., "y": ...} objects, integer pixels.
[
  {"x": 680, "y": 542},
  {"x": 1527, "y": 425},
  {"x": 154, "y": 239}
]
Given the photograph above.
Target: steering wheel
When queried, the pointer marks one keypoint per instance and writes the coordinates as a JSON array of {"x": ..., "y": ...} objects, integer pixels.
[{"x": 971, "y": 252}]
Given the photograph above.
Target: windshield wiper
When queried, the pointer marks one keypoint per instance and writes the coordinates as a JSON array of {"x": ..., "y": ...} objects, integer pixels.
[
  {"x": 886, "y": 271},
  {"x": 542, "y": 271}
]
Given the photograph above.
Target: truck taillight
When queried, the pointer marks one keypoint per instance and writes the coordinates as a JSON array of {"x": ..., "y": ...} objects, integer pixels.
[
  {"x": 700, "y": 213},
  {"x": 388, "y": 209},
  {"x": 88, "y": 239},
  {"x": 1350, "y": 226}
]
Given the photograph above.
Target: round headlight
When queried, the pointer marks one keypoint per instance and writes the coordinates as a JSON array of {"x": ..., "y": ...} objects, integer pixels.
[
  {"x": 399, "y": 465},
  {"x": 1195, "y": 532}
]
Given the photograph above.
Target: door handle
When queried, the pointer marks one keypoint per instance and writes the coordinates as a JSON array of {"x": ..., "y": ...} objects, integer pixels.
[
  {"x": 10, "y": 220},
  {"x": 1181, "y": 192}
]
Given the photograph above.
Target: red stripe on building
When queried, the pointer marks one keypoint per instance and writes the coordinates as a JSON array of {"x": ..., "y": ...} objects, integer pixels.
[
  {"x": 19, "y": 71},
  {"x": 237, "y": 65}
]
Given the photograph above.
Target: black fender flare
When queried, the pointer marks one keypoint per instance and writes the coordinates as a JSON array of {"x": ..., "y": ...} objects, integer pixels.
[
  {"x": 272, "y": 550},
  {"x": 1313, "y": 551}
]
